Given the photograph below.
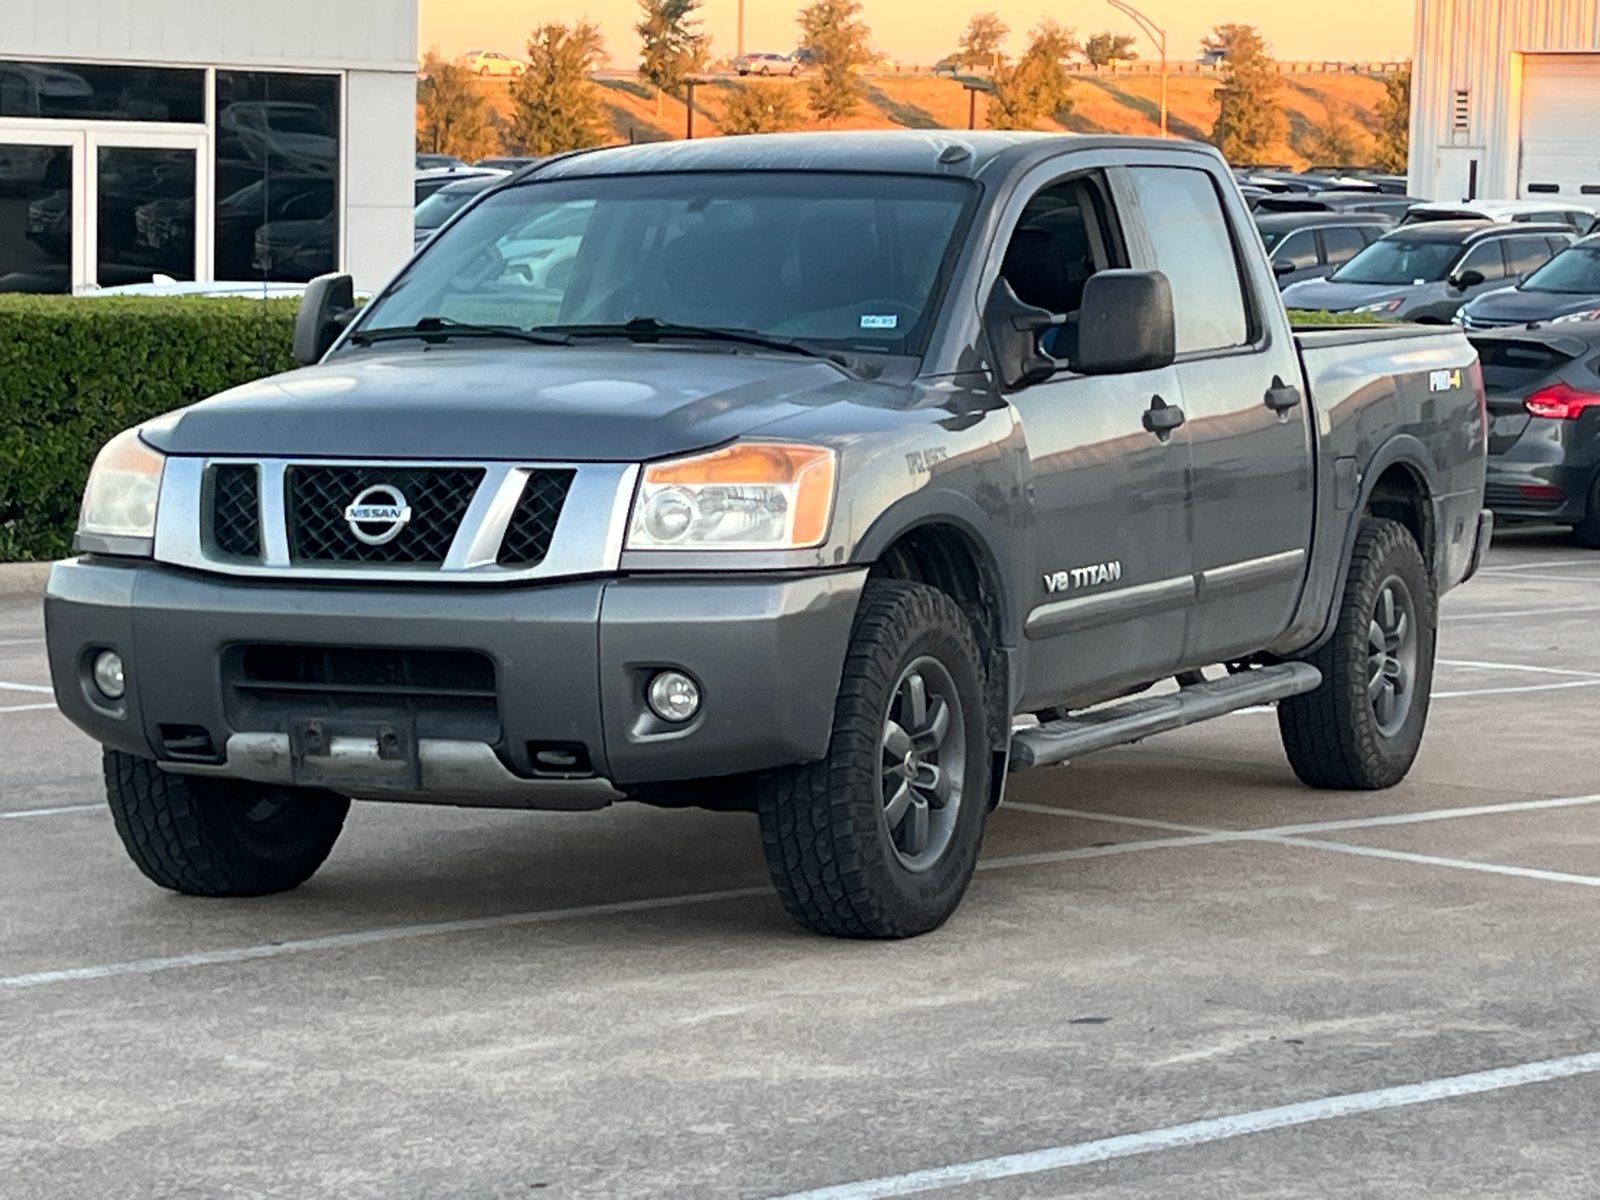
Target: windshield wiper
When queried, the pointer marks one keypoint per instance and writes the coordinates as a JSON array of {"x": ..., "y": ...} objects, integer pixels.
[
  {"x": 439, "y": 329},
  {"x": 649, "y": 329}
]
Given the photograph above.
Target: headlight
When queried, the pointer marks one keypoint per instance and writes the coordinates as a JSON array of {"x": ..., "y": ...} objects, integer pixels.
[
  {"x": 1387, "y": 306},
  {"x": 120, "y": 501},
  {"x": 752, "y": 496},
  {"x": 1592, "y": 315}
]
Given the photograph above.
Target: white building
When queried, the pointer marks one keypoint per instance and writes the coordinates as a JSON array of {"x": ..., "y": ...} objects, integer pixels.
[
  {"x": 1506, "y": 100},
  {"x": 204, "y": 139}
]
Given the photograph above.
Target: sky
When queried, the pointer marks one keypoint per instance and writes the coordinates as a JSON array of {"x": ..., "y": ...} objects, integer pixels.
[{"x": 923, "y": 31}]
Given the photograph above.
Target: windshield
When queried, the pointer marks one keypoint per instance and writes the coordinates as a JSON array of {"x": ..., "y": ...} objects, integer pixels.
[
  {"x": 848, "y": 261},
  {"x": 1575, "y": 270},
  {"x": 442, "y": 205},
  {"x": 1399, "y": 262}
]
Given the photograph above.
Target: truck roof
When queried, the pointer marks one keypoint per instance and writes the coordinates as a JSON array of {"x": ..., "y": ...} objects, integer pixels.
[{"x": 961, "y": 153}]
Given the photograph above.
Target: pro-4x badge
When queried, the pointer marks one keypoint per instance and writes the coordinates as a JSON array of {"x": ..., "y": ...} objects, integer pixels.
[{"x": 1444, "y": 381}]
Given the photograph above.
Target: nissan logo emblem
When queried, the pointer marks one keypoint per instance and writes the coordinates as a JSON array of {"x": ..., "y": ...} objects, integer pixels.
[{"x": 378, "y": 514}]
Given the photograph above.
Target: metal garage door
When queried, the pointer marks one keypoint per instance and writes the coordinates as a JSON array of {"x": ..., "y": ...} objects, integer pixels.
[{"x": 1560, "y": 126}]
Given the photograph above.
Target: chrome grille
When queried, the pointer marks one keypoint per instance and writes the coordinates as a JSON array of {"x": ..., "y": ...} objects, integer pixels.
[
  {"x": 236, "y": 511},
  {"x": 533, "y": 523},
  {"x": 318, "y": 496}
]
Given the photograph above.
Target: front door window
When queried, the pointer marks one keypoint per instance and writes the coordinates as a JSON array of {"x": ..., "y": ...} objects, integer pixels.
[
  {"x": 145, "y": 219},
  {"x": 36, "y": 210}
]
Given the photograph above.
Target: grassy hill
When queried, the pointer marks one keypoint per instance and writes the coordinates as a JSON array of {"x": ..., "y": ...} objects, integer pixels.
[{"x": 1100, "y": 104}]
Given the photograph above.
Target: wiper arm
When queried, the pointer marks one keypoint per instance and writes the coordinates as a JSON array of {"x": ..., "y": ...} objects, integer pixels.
[
  {"x": 439, "y": 329},
  {"x": 649, "y": 329}
]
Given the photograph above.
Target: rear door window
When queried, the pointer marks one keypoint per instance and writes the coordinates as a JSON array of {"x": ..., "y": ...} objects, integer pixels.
[
  {"x": 1342, "y": 243},
  {"x": 1486, "y": 258},
  {"x": 1299, "y": 250},
  {"x": 1194, "y": 248},
  {"x": 1525, "y": 255}
]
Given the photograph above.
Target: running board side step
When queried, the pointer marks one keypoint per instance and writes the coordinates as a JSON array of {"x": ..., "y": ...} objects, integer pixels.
[{"x": 1120, "y": 724}]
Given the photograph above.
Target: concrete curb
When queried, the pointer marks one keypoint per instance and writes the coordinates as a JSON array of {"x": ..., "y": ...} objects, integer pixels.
[{"x": 23, "y": 579}]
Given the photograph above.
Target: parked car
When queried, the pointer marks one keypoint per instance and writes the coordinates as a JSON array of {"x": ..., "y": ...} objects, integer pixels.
[
  {"x": 279, "y": 134},
  {"x": 447, "y": 202},
  {"x": 429, "y": 162},
  {"x": 297, "y": 249},
  {"x": 1577, "y": 217},
  {"x": 1544, "y": 424},
  {"x": 492, "y": 62},
  {"x": 430, "y": 181},
  {"x": 1426, "y": 272},
  {"x": 513, "y": 162},
  {"x": 1340, "y": 200},
  {"x": 780, "y": 502},
  {"x": 1312, "y": 245},
  {"x": 766, "y": 64},
  {"x": 1567, "y": 288}
]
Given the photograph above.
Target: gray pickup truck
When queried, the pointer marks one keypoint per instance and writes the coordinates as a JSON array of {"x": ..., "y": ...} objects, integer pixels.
[{"x": 829, "y": 477}]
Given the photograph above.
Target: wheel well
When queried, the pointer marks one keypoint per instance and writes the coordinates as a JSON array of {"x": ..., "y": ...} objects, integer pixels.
[
  {"x": 946, "y": 558},
  {"x": 1399, "y": 495}
]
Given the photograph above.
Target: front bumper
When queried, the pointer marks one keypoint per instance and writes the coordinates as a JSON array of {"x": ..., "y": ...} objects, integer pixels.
[{"x": 571, "y": 662}]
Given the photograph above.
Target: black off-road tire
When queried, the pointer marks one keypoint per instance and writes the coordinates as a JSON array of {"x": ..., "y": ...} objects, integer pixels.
[
  {"x": 219, "y": 837},
  {"x": 1334, "y": 736},
  {"x": 1587, "y": 531},
  {"x": 823, "y": 827}
]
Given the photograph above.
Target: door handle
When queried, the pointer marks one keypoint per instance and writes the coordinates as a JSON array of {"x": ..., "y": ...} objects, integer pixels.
[
  {"x": 1281, "y": 397},
  {"x": 1162, "y": 418}
]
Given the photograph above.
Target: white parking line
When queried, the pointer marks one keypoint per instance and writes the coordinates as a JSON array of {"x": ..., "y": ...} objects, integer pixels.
[
  {"x": 15, "y": 708},
  {"x": 366, "y": 937},
  {"x": 1513, "y": 568},
  {"x": 1295, "y": 835},
  {"x": 1514, "y": 691},
  {"x": 1548, "y": 613},
  {"x": 1216, "y": 1129},
  {"x": 38, "y": 641},
  {"x": 43, "y": 689},
  {"x": 1540, "y": 577},
  {"x": 1499, "y": 666},
  {"x": 51, "y": 812}
]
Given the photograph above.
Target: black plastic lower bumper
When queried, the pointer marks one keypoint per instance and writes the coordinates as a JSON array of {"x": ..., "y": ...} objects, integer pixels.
[{"x": 570, "y": 666}]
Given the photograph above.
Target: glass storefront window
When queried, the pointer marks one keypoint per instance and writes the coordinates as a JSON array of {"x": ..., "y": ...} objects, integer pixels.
[
  {"x": 145, "y": 223},
  {"x": 90, "y": 92},
  {"x": 277, "y": 176},
  {"x": 35, "y": 218}
]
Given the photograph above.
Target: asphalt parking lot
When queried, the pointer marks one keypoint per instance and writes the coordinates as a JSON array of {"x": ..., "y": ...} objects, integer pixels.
[{"x": 1178, "y": 973}]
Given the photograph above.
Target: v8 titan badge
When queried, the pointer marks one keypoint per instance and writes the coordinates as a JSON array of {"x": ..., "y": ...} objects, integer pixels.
[{"x": 378, "y": 514}]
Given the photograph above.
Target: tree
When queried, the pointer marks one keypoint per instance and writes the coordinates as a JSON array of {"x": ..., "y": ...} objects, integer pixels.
[
  {"x": 555, "y": 106},
  {"x": 1036, "y": 85},
  {"x": 672, "y": 47},
  {"x": 762, "y": 108},
  {"x": 981, "y": 41},
  {"x": 1103, "y": 48},
  {"x": 1394, "y": 123},
  {"x": 1250, "y": 124},
  {"x": 1340, "y": 142},
  {"x": 838, "y": 41},
  {"x": 453, "y": 116}
]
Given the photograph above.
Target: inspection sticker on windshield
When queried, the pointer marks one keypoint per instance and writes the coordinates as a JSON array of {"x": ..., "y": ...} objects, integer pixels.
[{"x": 889, "y": 321}]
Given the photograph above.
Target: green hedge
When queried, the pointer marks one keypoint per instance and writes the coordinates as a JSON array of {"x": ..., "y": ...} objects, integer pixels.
[{"x": 73, "y": 372}]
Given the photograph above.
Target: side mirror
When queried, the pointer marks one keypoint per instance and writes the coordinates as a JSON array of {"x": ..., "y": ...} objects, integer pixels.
[
  {"x": 1282, "y": 268},
  {"x": 1466, "y": 279},
  {"x": 1126, "y": 323},
  {"x": 1014, "y": 328},
  {"x": 326, "y": 308}
]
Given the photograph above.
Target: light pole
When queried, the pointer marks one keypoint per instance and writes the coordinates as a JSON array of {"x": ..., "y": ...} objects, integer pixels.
[
  {"x": 738, "y": 43},
  {"x": 1157, "y": 35}
]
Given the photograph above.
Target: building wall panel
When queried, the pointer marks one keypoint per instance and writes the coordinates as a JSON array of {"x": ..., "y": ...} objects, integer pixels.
[
  {"x": 1476, "y": 46},
  {"x": 372, "y": 34}
]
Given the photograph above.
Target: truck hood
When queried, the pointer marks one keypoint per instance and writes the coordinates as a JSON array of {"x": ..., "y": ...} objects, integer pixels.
[
  {"x": 1318, "y": 295},
  {"x": 474, "y": 401}
]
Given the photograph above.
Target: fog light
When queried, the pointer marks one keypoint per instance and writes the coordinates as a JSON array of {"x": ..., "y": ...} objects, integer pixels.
[
  {"x": 674, "y": 697},
  {"x": 108, "y": 674}
]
